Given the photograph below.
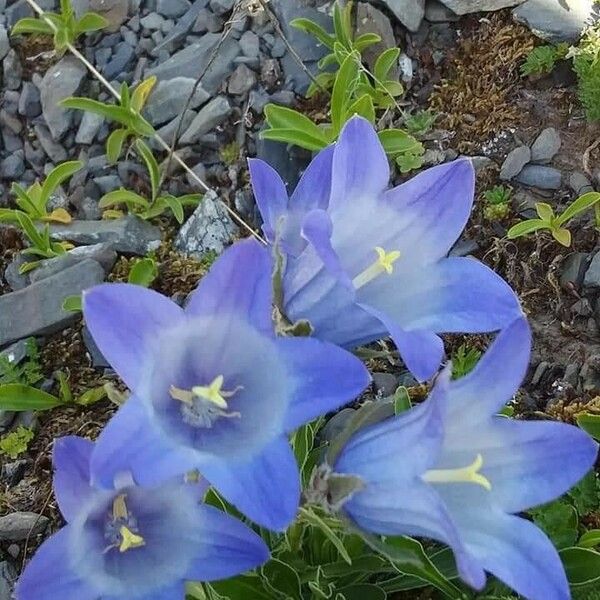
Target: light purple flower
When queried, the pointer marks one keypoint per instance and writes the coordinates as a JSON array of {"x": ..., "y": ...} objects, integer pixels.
[
  {"x": 213, "y": 387},
  {"x": 365, "y": 261},
  {"x": 452, "y": 470},
  {"x": 129, "y": 543}
]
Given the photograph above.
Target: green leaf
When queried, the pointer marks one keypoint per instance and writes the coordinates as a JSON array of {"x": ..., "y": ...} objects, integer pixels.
[
  {"x": 562, "y": 236},
  {"x": 124, "y": 97},
  {"x": 341, "y": 25},
  {"x": 402, "y": 401},
  {"x": 108, "y": 111},
  {"x": 362, "y": 42},
  {"x": 114, "y": 144},
  {"x": 296, "y": 137},
  {"x": 151, "y": 165},
  {"x": 315, "y": 520},
  {"x": 141, "y": 126},
  {"x": 396, "y": 141},
  {"x": 581, "y": 564},
  {"x": 544, "y": 211},
  {"x": 62, "y": 38},
  {"x": 73, "y": 303},
  {"x": 91, "y": 22},
  {"x": 18, "y": 397},
  {"x": 363, "y": 107},
  {"x": 315, "y": 30},
  {"x": 242, "y": 588},
  {"x": 281, "y": 577},
  {"x": 56, "y": 177},
  {"x": 590, "y": 539},
  {"x": 385, "y": 62},
  {"x": 30, "y": 231},
  {"x": 559, "y": 521},
  {"x": 281, "y": 117},
  {"x": 409, "y": 161},
  {"x": 590, "y": 423},
  {"x": 122, "y": 196},
  {"x": 322, "y": 81},
  {"x": 525, "y": 227},
  {"x": 91, "y": 396},
  {"x": 31, "y": 25},
  {"x": 190, "y": 199},
  {"x": 582, "y": 203},
  {"x": 25, "y": 202},
  {"x": 175, "y": 206},
  {"x": 363, "y": 591},
  {"x": 143, "y": 272},
  {"x": 343, "y": 89},
  {"x": 139, "y": 97},
  {"x": 27, "y": 267},
  {"x": 8, "y": 215}
]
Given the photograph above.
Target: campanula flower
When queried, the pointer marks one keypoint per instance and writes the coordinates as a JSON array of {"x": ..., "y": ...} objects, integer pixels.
[
  {"x": 455, "y": 471},
  {"x": 365, "y": 261},
  {"x": 129, "y": 543},
  {"x": 213, "y": 387}
]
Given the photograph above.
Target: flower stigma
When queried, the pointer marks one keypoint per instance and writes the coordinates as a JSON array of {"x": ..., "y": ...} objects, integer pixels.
[
  {"x": 384, "y": 264},
  {"x": 121, "y": 529},
  {"x": 468, "y": 474},
  {"x": 203, "y": 405}
]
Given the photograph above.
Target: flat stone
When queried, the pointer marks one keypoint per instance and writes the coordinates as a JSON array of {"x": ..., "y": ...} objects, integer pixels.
[
  {"x": 546, "y": 145},
  {"x": 8, "y": 578},
  {"x": 55, "y": 152},
  {"x": 523, "y": 203},
  {"x": 88, "y": 128},
  {"x": 221, "y": 7},
  {"x": 464, "y": 7},
  {"x": 436, "y": 12},
  {"x": 152, "y": 21},
  {"x": 371, "y": 20},
  {"x": 29, "y": 101},
  {"x": 116, "y": 11},
  {"x": 579, "y": 183},
  {"x": 210, "y": 228},
  {"x": 16, "y": 352},
  {"x": 37, "y": 309},
  {"x": 169, "y": 97},
  {"x": 18, "y": 526},
  {"x": 481, "y": 163},
  {"x": 167, "y": 131},
  {"x": 211, "y": 115},
  {"x": 192, "y": 60},
  {"x": 182, "y": 27},
  {"x": 172, "y": 9},
  {"x": 385, "y": 384},
  {"x": 129, "y": 235},
  {"x": 592, "y": 275},
  {"x": 514, "y": 162},
  {"x": 60, "y": 81},
  {"x": 573, "y": 270},
  {"x": 555, "y": 20},
  {"x": 120, "y": 62},
  {"x": 98, "y": 360},
  {"x": 241, "y": 81},
  {"x": 4, "y": 43},
  {"x": 13, "y": 70},
  {"x": 250, "y": 44},
  {"x": 409, "y": 12},
  {"x": 545, "y": 178},
  {"x": 13, "y": 166}
]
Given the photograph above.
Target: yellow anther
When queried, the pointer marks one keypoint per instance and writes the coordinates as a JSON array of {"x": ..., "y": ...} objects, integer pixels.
[
  {"x": 130, "y": 540},
  {"x": 184, "y": 396},
  {"x": 469, "y": 474},
  {"x": 120, "y": 508},
  {"x": 212, "y": 392},
  {"x": 386, "y": 260}
]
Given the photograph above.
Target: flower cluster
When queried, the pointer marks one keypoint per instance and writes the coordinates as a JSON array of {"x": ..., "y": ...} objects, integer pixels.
[{"x": 216, "y": 390}]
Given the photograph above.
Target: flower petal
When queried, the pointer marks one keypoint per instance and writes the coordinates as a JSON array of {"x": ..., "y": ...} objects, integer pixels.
[
  {"x": 122, "y": 319},
  {"x": 175, "y": 591},
  {"x": 360, "y": 166},
  {"x": 239, "y": 283},
  {"x": 314, "y": 188},
  {"x": 49, "y": 576},
  {"x": 326, "y": 378},
  {"x": 270, "y": 194},
  {"x": 130, "y": 442},
  {"x": 266, "y": 488},
  {"x": 517, "y": 552},
  {"x": 494, "y": 380},
  {"x": 71, "y": 461},
  {"x": 433, "y": 208},
  {"x": 227, "y": 547}
]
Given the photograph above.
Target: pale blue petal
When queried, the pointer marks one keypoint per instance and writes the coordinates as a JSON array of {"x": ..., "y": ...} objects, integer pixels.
[
  {"x": 227, "y": 547},
  {"x": 314, "y": 188},
  {"x": 71, "y": 462},
  {"x": 175, "y": 591},
  {"x": 123, "y": 319},
  {"x": 49, "y": 575},
  {"x": 270, "y": 194},
  {"x": 265, "y": 488},
  {"x": 131, "y": 443},
  {"x": 360, "y": 165},
  {"x": 238, "y": 284},
  {"x": 325, "y": 378}
]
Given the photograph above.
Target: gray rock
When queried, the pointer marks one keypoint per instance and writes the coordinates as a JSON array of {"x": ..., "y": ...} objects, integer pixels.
[
  {"x": 4, "y": 43},
  {"x": 336, "y": 425},
  {"x": 211, "y": 115},
  {"x": 514, "y": 162},
  {"x": 545, "y": 178},
  {"x": 555, "y": 20},
  {"x": 481, "y": 162},
  {"x": 209, "y": 228},
  {"x": 409, "y": 12},
  {"x": 29, "y": 101},
  {"x": 590, "y": 373},
  {"x": 152, "y": 21},
  {"x": 172, "y": 9},
  {"x": 37, "y": 309},
  {"x": 250, "y": 44},
  {"x": 241, "y": 81},
  {"x": 385, "y": 384},
  {"x": 17, "y": 10},
  {"x": 13, "y": 166},
  {"x": 182, "y": 27},
  {"x": 464, "y": 247},
  {"x": 18, "y": 526},
  {"x": 221, "y": 7},
  {"x": 88, "y": 128},
  {"x": 129, "y": 235},
  {"x": 122, "y": 58},
  {"x": 168, "y": 131},
  {"x": 116, "y": 11},
  {"x": 98, "y": 360},
  {"x": 579, "y": 183},
  {"x": 546, "y": 145},
  {"x": 60, "y": 81},
  {"x": 169, "y": 97},
  {"x": 464, "y": 7},
  {"x": 13, "y": 70},
  {"x": 571, "y": 375},
  {"x": 55, "y": 152},
  {"x": 573, "y": 270},
  {"x": 592, "y": 275},
  {"x": 523, "y": 202},
  {"x": 192, "y": 60},
  {"x": 8, "y": 578},
  {"x": 436, "y": 12},
  {"x": 16, "y": 352},
  {"x": 371, "y": 20},
  {"x": 289, "y": 164}
]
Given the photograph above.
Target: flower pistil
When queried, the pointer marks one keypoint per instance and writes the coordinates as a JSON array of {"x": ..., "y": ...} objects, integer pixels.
[
  {"x": 468, "y": 474},
  {"x": 384, "y": 264}
]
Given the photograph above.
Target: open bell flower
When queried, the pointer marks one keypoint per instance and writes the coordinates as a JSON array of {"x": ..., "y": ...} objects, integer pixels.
[
  {"x": 129, "y": 543},
  {"x": 453, "y": 470},
  {"x": 365, "y": 261},
  {"x": 213, "y": 387}
]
